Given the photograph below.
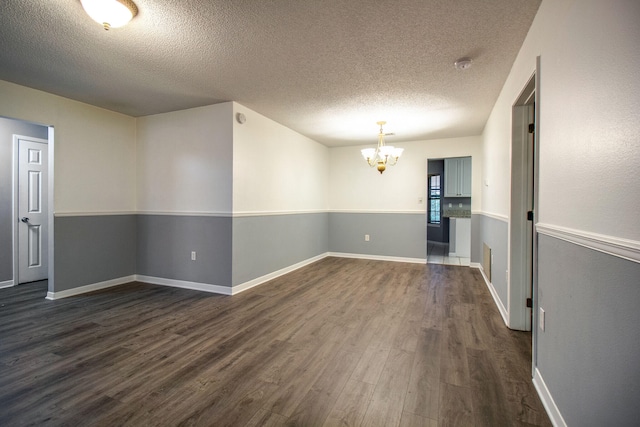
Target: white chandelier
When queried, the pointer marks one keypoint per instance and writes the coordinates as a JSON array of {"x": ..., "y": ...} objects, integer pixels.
[{"x": 382, "y": 154}]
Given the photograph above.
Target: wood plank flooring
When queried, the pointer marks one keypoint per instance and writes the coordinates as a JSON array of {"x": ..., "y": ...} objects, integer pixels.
[{"x": 341, "y": 342}]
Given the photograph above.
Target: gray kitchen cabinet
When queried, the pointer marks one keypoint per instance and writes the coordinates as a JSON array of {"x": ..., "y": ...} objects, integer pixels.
[{"x": 457, "y": 177}]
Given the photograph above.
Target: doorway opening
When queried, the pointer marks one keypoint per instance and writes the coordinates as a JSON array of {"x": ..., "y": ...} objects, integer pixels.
[
  {"x": 449, "y": 211},
  {"x": 26, "y": 211}
]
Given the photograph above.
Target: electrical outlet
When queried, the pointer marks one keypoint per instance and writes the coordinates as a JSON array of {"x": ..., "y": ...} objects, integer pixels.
[
  {"x": 366, "y": 237},
  {"x": 491, "y": 259},
  {"x": 420, "y": 200},
  {"x": 193, "y": 255},
  {"x": 459, "y": 205},
  {"x": 541, "y": 319}
]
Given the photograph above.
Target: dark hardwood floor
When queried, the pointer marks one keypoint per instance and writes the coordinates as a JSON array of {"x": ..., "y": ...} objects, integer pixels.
[{"x": 341, "y": 342}]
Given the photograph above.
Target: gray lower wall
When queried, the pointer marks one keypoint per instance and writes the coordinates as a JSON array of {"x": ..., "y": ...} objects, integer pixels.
[
  {"x": 93, "y": 249},
  {"x": 589, "y": 353},
  {"x": 494, "y": 232},
  {"x": 391, "y": 234},
  {"x": 8, "y": 128},
  {"x": 268, "y": 243},
  {"x": 230, "y": 251},
  {"x": 165, "y": 242}
]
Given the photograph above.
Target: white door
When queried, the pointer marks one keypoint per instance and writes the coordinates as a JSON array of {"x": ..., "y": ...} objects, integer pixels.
[{"x": 32, "y": 209}]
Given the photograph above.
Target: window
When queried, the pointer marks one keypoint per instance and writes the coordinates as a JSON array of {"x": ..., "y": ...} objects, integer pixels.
[{"x": 434, "y": 199}]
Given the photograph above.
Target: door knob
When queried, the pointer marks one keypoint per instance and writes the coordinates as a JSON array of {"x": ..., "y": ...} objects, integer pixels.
[{"x": 24, "y": 219}]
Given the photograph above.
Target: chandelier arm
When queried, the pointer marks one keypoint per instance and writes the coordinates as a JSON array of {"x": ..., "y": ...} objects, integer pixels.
[{"x": 374, "y": 160}]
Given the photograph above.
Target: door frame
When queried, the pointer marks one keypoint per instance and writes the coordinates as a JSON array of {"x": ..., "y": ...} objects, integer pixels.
[
  {"x": 50, "y": 207},
  {"x": 519, "y": 315},
  {"x": 536, "y": 204},
  {"x": 520, "y": 229}
]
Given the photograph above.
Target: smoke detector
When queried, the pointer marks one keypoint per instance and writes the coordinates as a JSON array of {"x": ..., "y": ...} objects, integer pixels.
[{"x": 463, "y": 63}]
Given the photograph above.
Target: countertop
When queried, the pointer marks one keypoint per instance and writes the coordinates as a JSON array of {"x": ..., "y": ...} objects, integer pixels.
[{"x": 456, "y": 213}]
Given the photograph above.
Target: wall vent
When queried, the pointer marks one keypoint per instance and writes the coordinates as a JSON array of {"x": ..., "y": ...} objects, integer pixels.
[{"x": 486, "y": 261}]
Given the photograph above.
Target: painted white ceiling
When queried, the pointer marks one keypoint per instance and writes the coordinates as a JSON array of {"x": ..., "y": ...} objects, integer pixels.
[{"x": 328, "y": 69}]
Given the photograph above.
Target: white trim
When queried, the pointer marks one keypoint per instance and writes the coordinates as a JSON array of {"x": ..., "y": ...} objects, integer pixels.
[
  {"x": 622, "y": 248},
  {"x": 378, "y": 257},
  {"x": 224, "y": 290},
  {"x": 499, "y": 217},
  {"x": 242, "y": 214},
  {"x": 373, "y": 211},
  {"x": 196, "y": 286},
  {"x": 90, "y": 288},
  {"x": 14, "y": 211},
  {"x": 547, "y": 400},
  {"x": 51, "y": 206},
  {"x": 64, "y": 214},
  {"x": 222, "y": 214},
  {"x": 192, "y": 213},
  {"x": 501, "y": 308},
  {"x": 6, "y": 284},
  {"x": 227, "y": 290},
  {"x": 262, "y": 279}
]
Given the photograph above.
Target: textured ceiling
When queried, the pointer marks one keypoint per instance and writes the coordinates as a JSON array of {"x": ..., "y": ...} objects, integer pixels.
[{"x": 328, "y": 69}]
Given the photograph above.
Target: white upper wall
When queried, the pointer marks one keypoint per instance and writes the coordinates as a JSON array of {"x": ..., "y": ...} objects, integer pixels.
[
  {"x": 275, "y": 169},
  {"x": 590, "y": 98},
  {"x": 184, "y": 161},
  {"x": 354, "y": 186},
  {"x": 94, "y": 149}
]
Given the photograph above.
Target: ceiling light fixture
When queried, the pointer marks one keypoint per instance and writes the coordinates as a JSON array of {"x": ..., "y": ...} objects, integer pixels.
[
  {"x": 110, "y": 13},
  {"x": 381, "y": 155}
]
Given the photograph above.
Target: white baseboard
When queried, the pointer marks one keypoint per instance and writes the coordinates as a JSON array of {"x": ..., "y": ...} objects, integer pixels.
[
  {"x": 6, "y": 284},
  {"x": 226, "y": 290},
  {"x": 378, "y": 257},
  {"x": 547, "y": 400},
  {"x": 218, "y": 289},
  {"x": 196, "y": 286},
  {"x": 501, "y": 308},
  {"x": 262, "y": 279},
  {"x": 89, "y": 288}
]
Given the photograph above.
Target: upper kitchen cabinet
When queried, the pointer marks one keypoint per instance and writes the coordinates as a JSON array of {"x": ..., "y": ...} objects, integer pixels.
[{"x": 457, "y": 177}]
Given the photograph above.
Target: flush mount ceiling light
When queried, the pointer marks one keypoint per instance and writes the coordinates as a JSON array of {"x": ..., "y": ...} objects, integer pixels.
[
  {"x": 110, "y": 13},
  {"x": 463, "y": 63},
  {"x": 382, "y": 154}
]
